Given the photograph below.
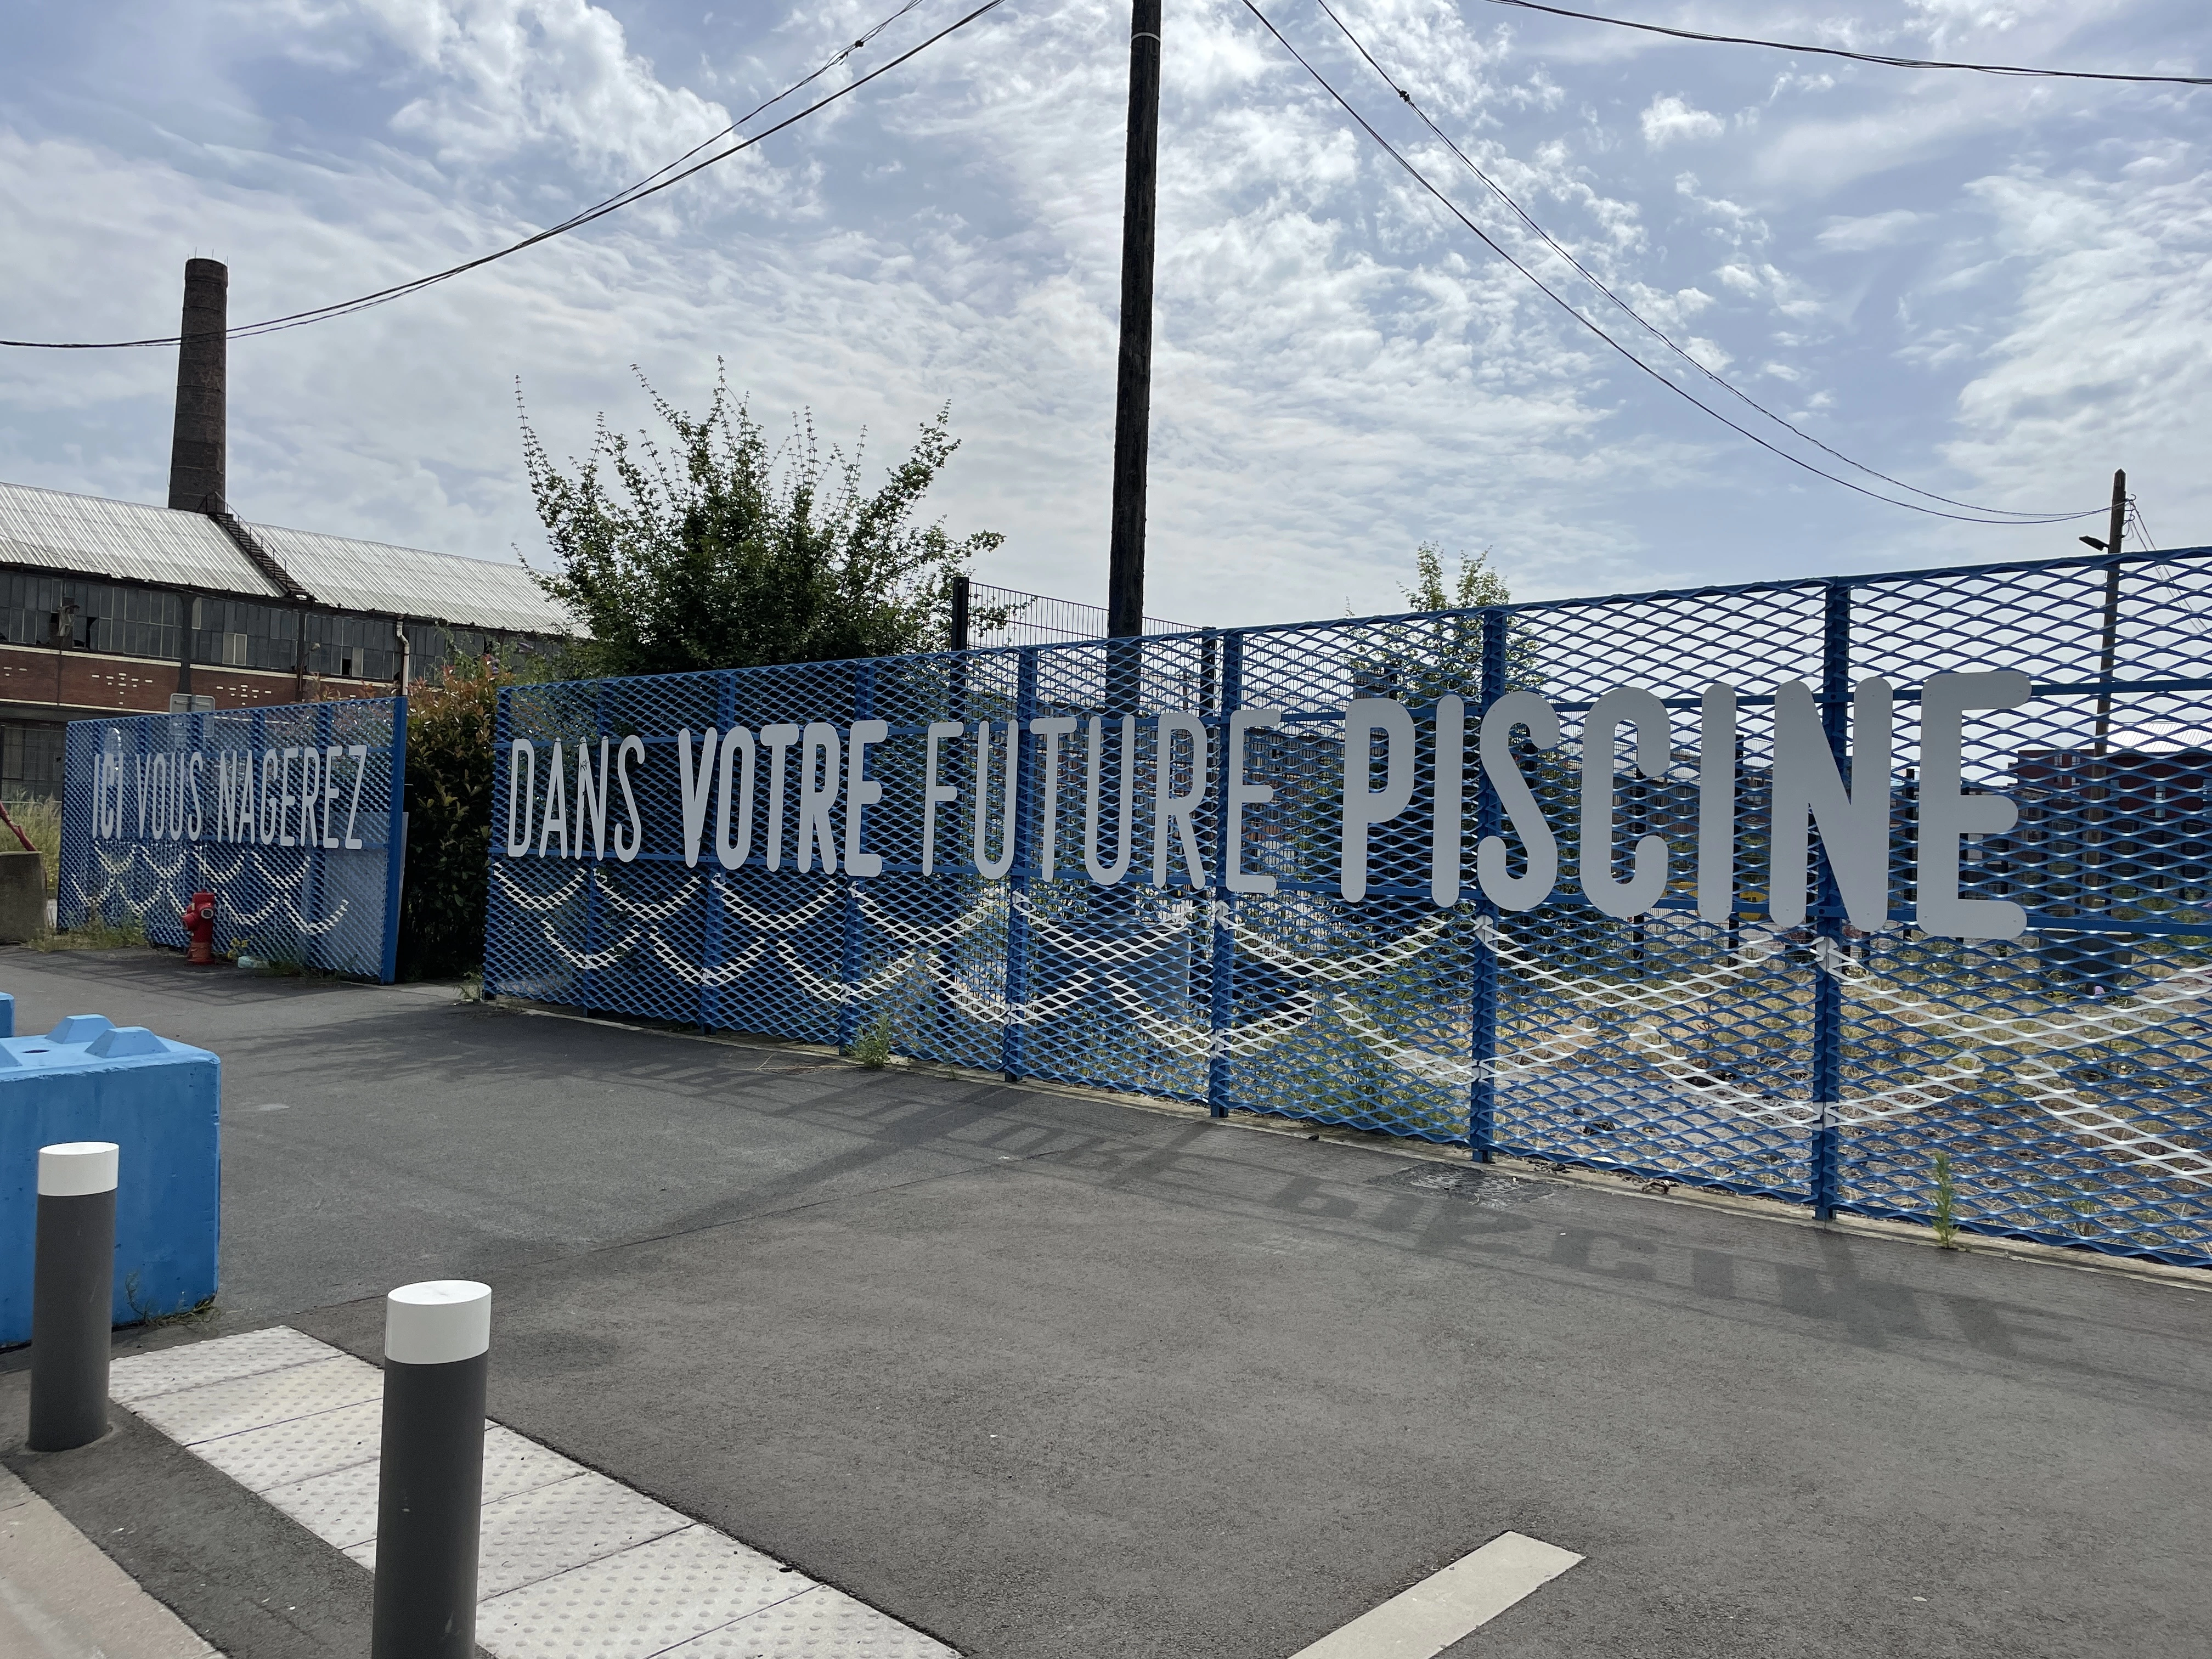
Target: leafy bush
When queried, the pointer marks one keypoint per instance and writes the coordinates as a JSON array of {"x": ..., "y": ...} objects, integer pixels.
[
  {"x": 449, "y": 771},
  {"x": 716, "y": 548}
]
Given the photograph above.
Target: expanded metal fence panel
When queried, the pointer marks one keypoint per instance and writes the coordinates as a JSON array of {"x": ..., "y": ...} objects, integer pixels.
[
  {"x": 291, "y": 816},
  {"x": 1007, "y": 615},
  {"x": 1885, "y": 894}
]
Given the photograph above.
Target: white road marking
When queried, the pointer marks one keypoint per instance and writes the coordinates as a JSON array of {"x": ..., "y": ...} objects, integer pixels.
[
  {"x": 571, "y": 1561},
  {"x": 1423, "y": 1621}
]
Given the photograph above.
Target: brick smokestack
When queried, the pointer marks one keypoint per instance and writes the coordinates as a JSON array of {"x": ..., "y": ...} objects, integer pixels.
[{"x": 199, "y": 451}]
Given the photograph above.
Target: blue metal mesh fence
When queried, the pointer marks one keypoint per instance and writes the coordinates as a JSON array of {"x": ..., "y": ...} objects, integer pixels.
[
  {"x": 291, "y": 816},
  {"x": 1060, "y": 848}
]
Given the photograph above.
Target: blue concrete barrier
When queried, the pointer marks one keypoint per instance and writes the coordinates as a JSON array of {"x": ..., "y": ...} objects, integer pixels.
[
  {"x": 160, "y": 1102},
  {"x": 7, "y": 1015}
]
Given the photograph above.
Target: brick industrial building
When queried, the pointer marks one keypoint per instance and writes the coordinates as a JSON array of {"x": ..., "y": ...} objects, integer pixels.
[{"x": 112, "y": 606}]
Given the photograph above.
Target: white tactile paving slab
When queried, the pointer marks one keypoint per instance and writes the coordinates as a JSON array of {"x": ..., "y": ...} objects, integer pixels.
[
  {"x": 194, "y": 1414},
  {"x": 339, "y": 1507},
  {"x": 514, "y": 1464},
  {"x": 642, "y": 1602},
  {"x": 820, "y": 1623},
  {"x": 572, "y": 1565},
  {"x": 550, "y": 1529},
  {"x": 142, "y": 1376},
  {"x": 299, "y": 1447}
]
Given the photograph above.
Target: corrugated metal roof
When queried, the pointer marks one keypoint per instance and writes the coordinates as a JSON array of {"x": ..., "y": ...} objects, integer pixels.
[
  {"x": 407, "y": 580},
  {"x": 126, "y": 541},
  {"x": 130, "y": 541}
]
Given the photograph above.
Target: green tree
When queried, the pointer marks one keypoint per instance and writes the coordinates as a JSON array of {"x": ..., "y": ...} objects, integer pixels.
[
  {"x": 1478, "y": 584},
  {"x": 715, "y": 549},
  {"x": 1442, "y": 649}
]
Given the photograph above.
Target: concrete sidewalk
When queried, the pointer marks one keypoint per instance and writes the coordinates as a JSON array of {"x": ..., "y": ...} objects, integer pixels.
[
  {"x": 1042, "y": 1375},
  {"x": 60, "y": 1598}
]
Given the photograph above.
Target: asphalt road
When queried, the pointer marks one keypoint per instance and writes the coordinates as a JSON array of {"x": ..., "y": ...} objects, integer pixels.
[{"x": 1048, "y": 1375}]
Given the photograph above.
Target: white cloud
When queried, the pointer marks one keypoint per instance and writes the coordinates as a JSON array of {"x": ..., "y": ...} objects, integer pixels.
[
  {"x": 1873, "y": 230},
  {"x": 511, "y": 74},
  {"x": 1342, "y": 371},
  {"x": 1668, "y": 120},
  {"x": 2108, "y": 342}
]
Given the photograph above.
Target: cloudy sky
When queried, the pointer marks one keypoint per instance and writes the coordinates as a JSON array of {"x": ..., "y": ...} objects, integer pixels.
[{"x": 1991, "y": 289}]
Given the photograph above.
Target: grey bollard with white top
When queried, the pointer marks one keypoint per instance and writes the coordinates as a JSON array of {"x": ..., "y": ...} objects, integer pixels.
[
  {"x": 72, "y": 1290},
  {"x": 437, "y": 1343}
]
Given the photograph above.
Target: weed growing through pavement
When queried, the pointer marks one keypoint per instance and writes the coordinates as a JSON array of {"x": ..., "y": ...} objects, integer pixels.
[
  {"x": 95, "y": 933},
  {"x": 199, "y": 1314},
  {"x": 1947, "y": 1203},
  {"x": 871, "y": 1047},
  {"x": 284, "y": 959}
]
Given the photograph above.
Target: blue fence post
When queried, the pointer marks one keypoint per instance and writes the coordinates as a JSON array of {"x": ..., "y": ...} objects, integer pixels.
[
  {"x": 395, "y": 840},
  {"x": 80, "y": 776},
  {"x": 710, "y": 863},
  {"x": 593, "y": 870},
  {"x": 502, "y": 760},
  {"x": 258, "y": 798},
  {"x": 1013, "y": 1038},
  {"x": 195, "y": 743},
  {"x": 1828, "y": 913},
  {"x": 850, "y": 959},
  {"x": 318, "y": 952},
  {"x": 946, "y": 1035},
  {"x": 1482, "y": 988},
  {"x": 1221, "y": 981},
  {"x": 135, "y": 854}
]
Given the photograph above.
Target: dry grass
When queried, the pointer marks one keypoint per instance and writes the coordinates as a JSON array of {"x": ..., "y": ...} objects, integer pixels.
[
  {"x": 41, "y": 820},
  {"x": 96, "y": 934}
]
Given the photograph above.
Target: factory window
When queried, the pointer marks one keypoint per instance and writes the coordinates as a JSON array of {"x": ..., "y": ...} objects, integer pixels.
[
  {"x": 31, "y": 761},
  {"x": 353, "y": 647},
  {"x": 239, "y": 634},
  {"x": 128, "y": 622}
]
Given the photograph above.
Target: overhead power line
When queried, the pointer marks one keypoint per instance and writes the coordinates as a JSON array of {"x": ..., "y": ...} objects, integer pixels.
[
  {"x": 799, "y": 85},
  {"x": 1860, "y": 57},
  {"x": 2142, "y": 530},
  {"x": 1659, "y": 333},
  {"x": 1558, "y": 300},
  {"x": 651, "y": 185}
]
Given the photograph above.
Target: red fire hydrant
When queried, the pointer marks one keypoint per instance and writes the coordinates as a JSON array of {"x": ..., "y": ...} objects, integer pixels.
[{"x": 199, "y": 927}]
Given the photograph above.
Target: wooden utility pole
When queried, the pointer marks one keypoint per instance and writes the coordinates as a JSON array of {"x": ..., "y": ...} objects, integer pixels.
[
  {"x": 1132, "y": 389},
  {"x": 2109, "y": 659}
]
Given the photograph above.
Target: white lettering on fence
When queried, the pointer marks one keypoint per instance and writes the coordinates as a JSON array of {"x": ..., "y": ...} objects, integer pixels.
[
  {"x": 1094, "y": 765},
  {"x": 934, "y": 794},
  {"x": 1172, "y": 811},
  {"x": 820, "y": 758},
  {"x": 1948, "y": 812},
  {"x": 995, "y": 869},
  {"x": 1364, "y": 808},
  {"x": 1845, "y": 797},
  {"x": 1808, "y": 790},
  {"x": 1237, "y": 794},
  {"x": 861, "y": 793},
  {"x": 224, "y": 796},
  {"x": 1642, "y": 711}
]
